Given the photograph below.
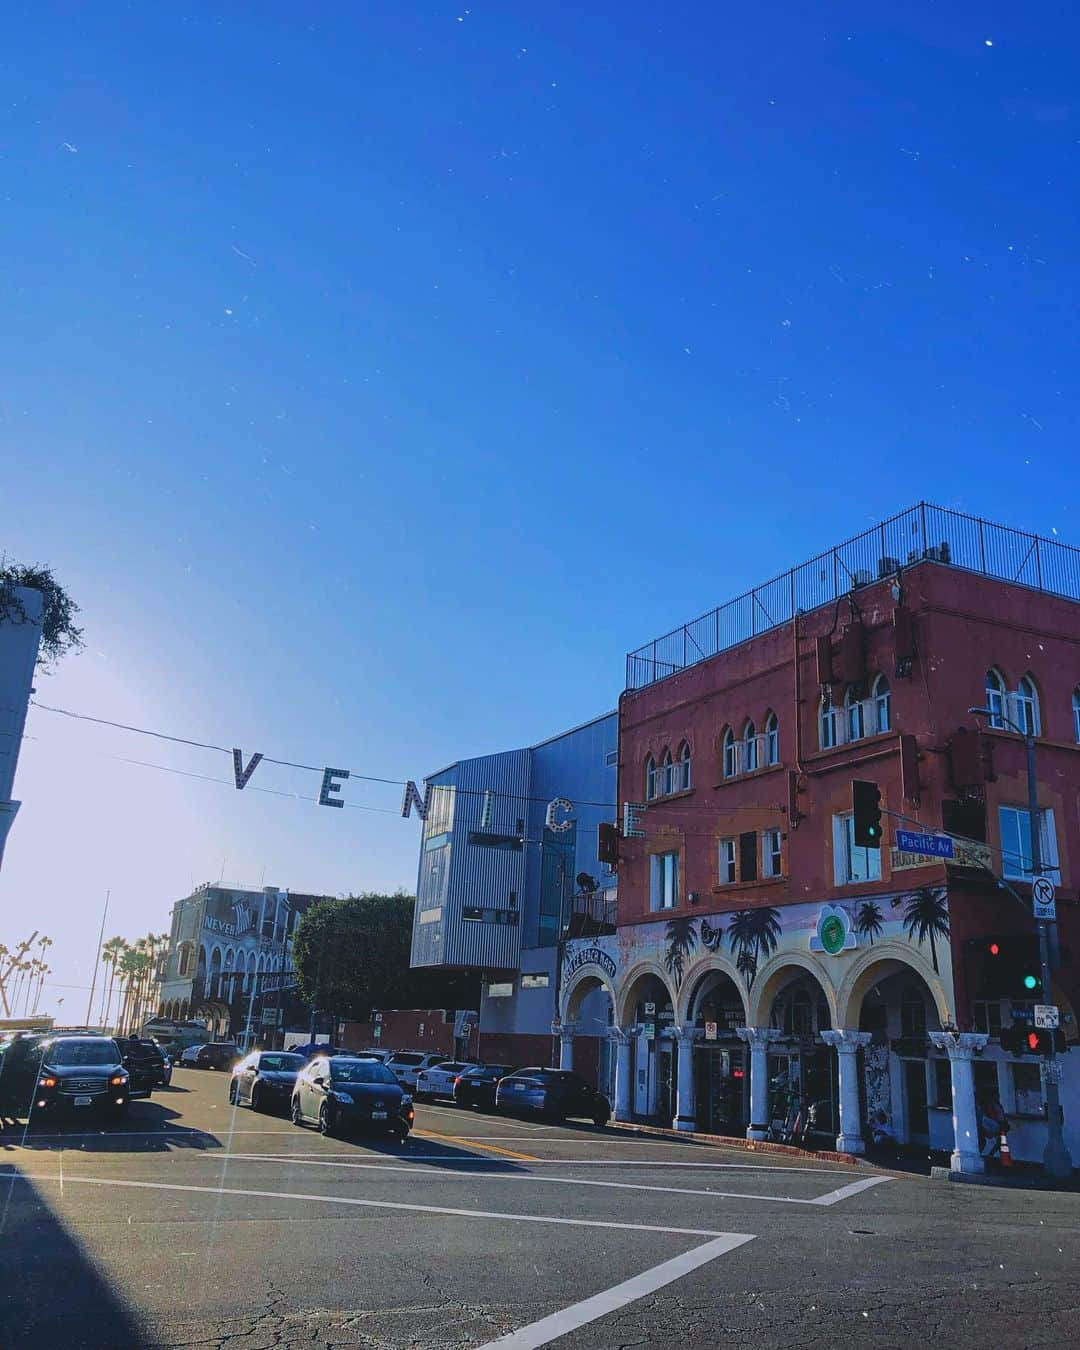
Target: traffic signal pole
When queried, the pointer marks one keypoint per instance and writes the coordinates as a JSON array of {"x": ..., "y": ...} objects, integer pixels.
[{"x": 1056, "y": 1159}]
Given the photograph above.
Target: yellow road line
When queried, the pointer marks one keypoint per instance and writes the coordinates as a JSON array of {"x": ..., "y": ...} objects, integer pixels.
[{"x": 465, "y": 1143}]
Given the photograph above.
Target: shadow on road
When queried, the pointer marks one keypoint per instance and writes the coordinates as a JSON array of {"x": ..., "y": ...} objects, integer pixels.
[
  {"x": 148, "y": 1128},
  {"x": 74, "y": 1306}
]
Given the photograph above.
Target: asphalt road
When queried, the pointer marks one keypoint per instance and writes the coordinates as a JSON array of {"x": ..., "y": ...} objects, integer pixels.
[{"x": 197, "y": 1225}]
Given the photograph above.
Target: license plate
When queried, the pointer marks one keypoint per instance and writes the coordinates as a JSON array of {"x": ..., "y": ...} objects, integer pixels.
[
  {"x": 83, "y": 1101},
  {"x": 378, "y": 1115}
]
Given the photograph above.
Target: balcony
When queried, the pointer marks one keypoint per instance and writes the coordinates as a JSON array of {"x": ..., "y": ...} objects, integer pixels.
[{"x": 592, "y": 914}]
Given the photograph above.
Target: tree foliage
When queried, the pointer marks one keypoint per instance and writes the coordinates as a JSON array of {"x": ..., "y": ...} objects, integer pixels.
[
  {"x": 59, "y": 632},
  {"x": 352, "y": 956}
]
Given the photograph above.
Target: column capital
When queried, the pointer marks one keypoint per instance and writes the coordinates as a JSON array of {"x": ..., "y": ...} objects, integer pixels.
[
  {"x": 621, "y": 1035},
  {"x": 687, "y": 1031},
  {"x": 566, "y": 1031},
  {"x": 758, "y": 1038},
  {"x": 959, "y": 1044},
  {"x": 845, "y": 1040}
]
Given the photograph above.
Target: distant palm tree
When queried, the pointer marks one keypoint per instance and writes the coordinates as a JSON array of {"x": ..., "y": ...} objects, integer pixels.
[
  {"x": 927, "y": 916},
  {"x": 869, "y": 921},
  {"x": 111, "y": 952},
  {"x": 681, "y": 939}
]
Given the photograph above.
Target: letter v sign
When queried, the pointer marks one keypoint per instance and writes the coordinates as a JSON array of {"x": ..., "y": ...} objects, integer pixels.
[{"x": 240, "y": 774}]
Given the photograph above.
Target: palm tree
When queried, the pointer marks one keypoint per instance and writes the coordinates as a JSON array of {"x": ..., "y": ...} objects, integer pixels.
[
  {"x": 927, "y": 916},
  {"x": 681, "y": 940},
  {"x": 111, "y": 953},
  {"x": 130, "y": 965},
  {"x": 869, "y": 921}
]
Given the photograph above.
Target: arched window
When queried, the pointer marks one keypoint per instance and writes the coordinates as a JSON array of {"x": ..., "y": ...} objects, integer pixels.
[
  {"x": 750, "y": 748},
  {"x": 1027, "y": 707},
  {"x": 772, "y": 739},
  {"x": 882, "y": 704},
  {"x": 1076, "y": 714},
  {"x": 667, "y": 774},
  {"x": 995, "y": 698},
  {"x": 827, "y": 726},
  {"x": 731, "y": 754},
  {"x": 855, "y": 715},
  {"x": 650, "y": 778},
  {"x": 684, "y": 767}
]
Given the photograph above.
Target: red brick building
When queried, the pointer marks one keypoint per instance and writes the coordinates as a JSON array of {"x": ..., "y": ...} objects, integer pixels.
[{"x": 763, "y": 959}]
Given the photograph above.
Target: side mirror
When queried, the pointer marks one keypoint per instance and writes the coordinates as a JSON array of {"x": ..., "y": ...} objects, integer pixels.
[{"x": 320, "y": 1079}]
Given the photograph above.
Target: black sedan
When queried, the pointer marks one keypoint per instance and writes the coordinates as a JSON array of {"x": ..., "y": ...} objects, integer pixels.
[
  {"x": 475, "y": 1088},
  {"x": 265, "y": 1080},
  {"x": 339, "y": 1094},
  {"x": 553, "y": 1094},
  {"x": 81, "y": 1074}
]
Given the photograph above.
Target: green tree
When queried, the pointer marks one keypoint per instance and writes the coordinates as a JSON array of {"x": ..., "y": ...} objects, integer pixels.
[
  {"x": 59, "y": 632},
  {"x": 352, "y": 956},
  {"x": 927, "y": 916}
]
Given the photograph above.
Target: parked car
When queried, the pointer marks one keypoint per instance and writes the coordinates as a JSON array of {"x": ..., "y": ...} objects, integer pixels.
[
  {"x": 217, "y": 1055},
  {"x": 146, "y": 1064},
  {"x": 265, "y": 1079},
  {"x": 438, "y": 1080},
  {"x": 189, "y": 1055},
  {"x": 339, "y": 1094},
  {"x": 554, "y": 1094},
  {"x": 78, "y": 1074},
  {"x": 406, "y": 1064},
  {"x": 474, "y": 1087}
]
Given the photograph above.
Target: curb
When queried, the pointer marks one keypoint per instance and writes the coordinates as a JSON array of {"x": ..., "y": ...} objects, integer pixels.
[
  {"x": 733, "y": 1141},
  {"x": 1029, "y": 1182}
]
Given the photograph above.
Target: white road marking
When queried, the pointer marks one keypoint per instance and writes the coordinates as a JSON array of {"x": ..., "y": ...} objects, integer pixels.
[
  {"x": 834, "y": 1197},
  {"x": 618, "y": 1296},
  {"x": 523, "y": 1175},
  {"x": 546, "y": 1162},
  {"x": 218, "y": 1191}
]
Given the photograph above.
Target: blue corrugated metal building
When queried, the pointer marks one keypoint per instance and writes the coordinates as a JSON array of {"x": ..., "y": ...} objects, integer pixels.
[{"x": 497, "y": 889}]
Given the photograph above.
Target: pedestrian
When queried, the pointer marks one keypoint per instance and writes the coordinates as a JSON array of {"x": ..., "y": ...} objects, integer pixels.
[
  {"x": 993, "y": 1123},
  {"x": 882, "y": 1135}
]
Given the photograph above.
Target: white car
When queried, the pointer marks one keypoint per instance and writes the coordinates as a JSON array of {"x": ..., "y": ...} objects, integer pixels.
[
  {"x": 438, "y": 1081},
  {"x": 406, "y": 1064},
  {"x": 190, "y": 1055}
]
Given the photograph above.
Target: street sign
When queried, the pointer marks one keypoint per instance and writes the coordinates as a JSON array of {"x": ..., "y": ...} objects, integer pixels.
[
  {"x": 1046, "y": 1016},
  {"x": 650, "y": 1008},
  {"x": 650, "y": 1031},
  {"x": 270, "y": 1017},
  {"x": 710, "y": 1031},
  {"x": 935, "y": 845},
  {"x": 1043, "y": 904}
]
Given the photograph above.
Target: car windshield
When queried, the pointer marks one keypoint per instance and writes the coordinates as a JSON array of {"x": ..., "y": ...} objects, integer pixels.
[
  {"x": 80, "y": 1053},
  {"x": 360, "y": 1071},
  {"x": 407, "y": 1060},
  {"x": 281, "y": 1063}
]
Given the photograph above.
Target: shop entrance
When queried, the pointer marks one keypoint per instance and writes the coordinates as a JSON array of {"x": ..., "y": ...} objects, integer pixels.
[
  {"x": 803, "y": 1083},
  {"x": 721, "y": 1083}
]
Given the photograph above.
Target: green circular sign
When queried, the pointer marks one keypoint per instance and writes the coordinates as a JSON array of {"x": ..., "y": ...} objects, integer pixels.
[{"x": 833, "y": 934}]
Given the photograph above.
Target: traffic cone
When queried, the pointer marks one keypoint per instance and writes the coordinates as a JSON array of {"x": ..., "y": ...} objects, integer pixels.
[{"x": 1006, "y": 1156}]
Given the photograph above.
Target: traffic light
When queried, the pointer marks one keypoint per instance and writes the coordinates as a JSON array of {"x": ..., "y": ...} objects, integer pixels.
[
  {"x": 607, "y": 843},
  {"x": 1025, "y": 1039},
  {"x": 1005, "y": 965},
  {"x": 866, "y": 808}
]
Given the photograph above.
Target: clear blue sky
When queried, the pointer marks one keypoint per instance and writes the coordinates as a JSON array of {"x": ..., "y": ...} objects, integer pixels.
[{"x": 376, "y": 374}]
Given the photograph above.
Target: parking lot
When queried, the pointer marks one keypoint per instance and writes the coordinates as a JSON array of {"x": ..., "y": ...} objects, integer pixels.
[{"x": 197, "y": 1224}]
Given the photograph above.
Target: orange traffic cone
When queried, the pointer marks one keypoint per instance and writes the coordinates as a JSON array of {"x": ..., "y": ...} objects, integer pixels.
[{"x": 1006, "y": 1156}]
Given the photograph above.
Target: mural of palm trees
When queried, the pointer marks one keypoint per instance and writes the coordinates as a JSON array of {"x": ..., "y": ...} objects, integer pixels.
[
  {"x": 927, "y": 916},
  {"x": 681, "y": 939},
  {"x": 753, "y": 934},
  {"x": 869, "y": 921}
]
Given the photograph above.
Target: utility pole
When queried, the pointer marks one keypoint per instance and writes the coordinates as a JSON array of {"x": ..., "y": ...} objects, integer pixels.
[
  {"x": 97, "y": 959},
  {"x": 1056, "y": 1159}
]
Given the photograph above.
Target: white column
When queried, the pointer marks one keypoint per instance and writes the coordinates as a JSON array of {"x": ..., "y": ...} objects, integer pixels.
[
  {"x": 961, "y": 1047},
  {"x": 623, "y": 1083},
  {"x": 758, "y": 1039},
  {"x": 565, "y": 1032},
  {"x": 685, "y": 1118},
  {"x": 847, "y": 1042}
]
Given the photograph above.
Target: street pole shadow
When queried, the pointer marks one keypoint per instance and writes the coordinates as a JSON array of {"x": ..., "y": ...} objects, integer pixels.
[{"x": 52, "y": 1294}]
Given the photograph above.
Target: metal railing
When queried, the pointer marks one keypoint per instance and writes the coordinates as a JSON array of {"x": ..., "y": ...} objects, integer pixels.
[{"x": 921, "y": 533}]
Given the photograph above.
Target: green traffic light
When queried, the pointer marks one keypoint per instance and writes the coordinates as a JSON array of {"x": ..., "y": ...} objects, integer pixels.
[{"x": 1030, "y": 981}]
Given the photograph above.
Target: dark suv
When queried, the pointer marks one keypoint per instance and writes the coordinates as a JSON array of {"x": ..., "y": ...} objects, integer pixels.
[
  {"x": 81, "y": 1073},
  {"x": 217, "y": 1055},
  {"x": 146, "y": 1064}
]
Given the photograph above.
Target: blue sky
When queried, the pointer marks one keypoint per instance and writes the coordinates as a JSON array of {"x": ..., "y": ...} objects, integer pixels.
[{"x": 376, "y": 375}]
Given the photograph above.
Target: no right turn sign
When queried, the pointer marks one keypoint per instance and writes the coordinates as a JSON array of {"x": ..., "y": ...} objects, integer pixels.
[{"x": 1042, "y": 899}]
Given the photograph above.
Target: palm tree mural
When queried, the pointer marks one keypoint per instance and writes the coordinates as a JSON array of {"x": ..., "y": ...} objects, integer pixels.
[
  {"x": 869, "y": 921},
  {"x": 752, "y": 934},
  {"x": 927, "y": 916},
  {"x": 681, "y": 939}
]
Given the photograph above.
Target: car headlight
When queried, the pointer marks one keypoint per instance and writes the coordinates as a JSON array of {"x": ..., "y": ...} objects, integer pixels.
[
  {"x": 47, "y": 1081},
  {"x": 342, "y": 1097},
  {"x": 118, "y": 1080}
]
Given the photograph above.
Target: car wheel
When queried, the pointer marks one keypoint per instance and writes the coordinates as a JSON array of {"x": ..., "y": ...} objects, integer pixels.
[
  {"x": 326, "y": 1123},
  {"x": 256, "y": 1098},
  {"x": 601, "y": 1117},
  {"x": 401, "y": 1133},
  {"x": 294, "y": 1112},
  {"x": 232, "y": 1093}
]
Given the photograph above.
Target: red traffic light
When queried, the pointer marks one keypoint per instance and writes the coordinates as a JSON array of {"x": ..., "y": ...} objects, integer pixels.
[
  {"x": 995, "y": 949},
  {"x": 1033, "y": 1041}
]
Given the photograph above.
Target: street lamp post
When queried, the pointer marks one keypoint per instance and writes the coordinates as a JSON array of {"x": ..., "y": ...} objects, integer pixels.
[{"x": 1056, "y": 1159}]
